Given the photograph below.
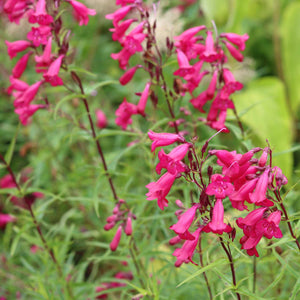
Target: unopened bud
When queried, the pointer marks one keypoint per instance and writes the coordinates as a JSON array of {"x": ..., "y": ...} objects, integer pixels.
[
  {"x": 128, "y": 228},
  {"x": 116, "y": 240}
]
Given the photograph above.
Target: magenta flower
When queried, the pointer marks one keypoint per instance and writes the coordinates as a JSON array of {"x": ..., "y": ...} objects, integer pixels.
[
  {"x": 143, "y": 100},
  {"x": 17, "y": 85},
  {"x": 40, "y": 14},
  {"x": 184, "y": 66},
  {"x": 28, "y": 95},
  {"x": 128, "y": 227},
  {"x": 187, "y": 42},
  {"x": 217, "y": 225},
  {"x": 220, "y": 186},
  {"x": 13, "y": 48},
  {"x": 172, "y": 161},
  {"x": 231, "y": 85},
  {"x": 21, "y": 65},
  {"x": 81, "y": 12},
  {"x": 51, "y": 75},
  {"x": 160, "y": 189},
  {"x": 259, "y": 197},
  {"x": 7, "y": 182},
  {"x": 124, "y": 113},
  {"x": 210, "y": 54},
  {"x": 181, "y": 228},
  {"x": 5, "y": 219},
  {"x": 119, "y": 30},
  {"x": 39, "y": 35},
  {"x": 119, "y": 14},
  {"x": 116, "y": 240},
  {"x": 186, "y": 252},
  {"x": 127, "y": 76},
  {"x": 43, "y": 61},
  {"x": 26, "y": 112},
  {"x": 238, "y": 40},
  {"x": 164, "y": 139},
  {"x": 236, "y": 54},
  {"x": 101, "y": 119}
]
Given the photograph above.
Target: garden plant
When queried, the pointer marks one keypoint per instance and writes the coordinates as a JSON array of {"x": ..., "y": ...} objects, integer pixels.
[{"x": 149, "y": 149}]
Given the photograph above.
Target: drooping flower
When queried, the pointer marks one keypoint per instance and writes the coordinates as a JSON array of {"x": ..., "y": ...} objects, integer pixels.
[
  {"x": 81, "y": 12},
  {"x": 143, "y": 100},
  {"x": 43, "y": 61},
  {"x": 21, "y": 65},
  {"x": 164, "y": 139},
  {"x": 26, "y": 112},
  {"x": 217, "y": 224},
  {"x": 160, "y": 189},
  {"x": 238, "y": 40},
  {"x": 210, "y": 54},
  {"x": 181, "y": 228},
  {"x": 116, "y": 240},
  {"x": 101, "y": 119},
  {"x": 13, "y": 48},
  {"x": 51, "y": 75},
  {"x": 40, "y": 15},
  {"x": 127, "y": 76},
  {"x": 186, "y": 252},
  {"x": 28, "y": 95},
  {"x": 124, "y": 113},
  {"x": 172, "y": 161}
]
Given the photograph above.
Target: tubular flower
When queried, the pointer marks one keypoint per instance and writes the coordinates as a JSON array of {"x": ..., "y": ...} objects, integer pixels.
[
  {"x": 185, "y": 220},
  {"x": 51, "y": 75},
  {"x": 81, "y": 12},
  {"x": 186, "y": 252},
  {"x": 160, "y": 189},
  {"x": 164, "y": 139}
]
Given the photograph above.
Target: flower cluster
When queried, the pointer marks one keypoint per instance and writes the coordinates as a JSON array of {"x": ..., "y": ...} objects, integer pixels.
[
  {"x": 39, "y": 42},
  {"x": 193, "y": 51},
  {"x": 244, "y": 179},
  {"x": 131, "y": 43},
  {"x": 124, "y": 217}
]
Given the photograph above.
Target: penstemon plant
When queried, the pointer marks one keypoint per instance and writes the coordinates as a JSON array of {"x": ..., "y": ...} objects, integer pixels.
[{"x": 209, "y": 165}]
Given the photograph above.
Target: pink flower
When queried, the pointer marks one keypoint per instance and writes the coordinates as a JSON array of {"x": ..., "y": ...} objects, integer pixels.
[
  {"x": 119, "y": 14},
  {"x": 258, "y": 197},
  {"x": 231, "y": 85},
  {"x": 186, "y": 252},
  {"x": 143, "y": 100},
  {"x": 28, "y": 95},
  {"x": 238, "y": 40},
  {"x": 15, "y": 47},
  {"x": 81, "y": 12},
  {"x": 124, "y": 114},
  {"x": 185, "y": 221},
  {"x": 236, "y": 54},
  {"x": 119, "y": 31},
  {"x": 7, "y": 182},
  {"x": 43, "y": 61},
  {"x": 172, "y": 161},
  {"x": 17, "y": 85},
  {"x": 220, "y": 186},
  {"x": 40, "y": 14},
  {"x": 160, "y": 189},
  {"x": 187, "y": 42},
  {"x": 51, "y": 75},
  {"x": 210, "y": 54},
  {"x": 26, "y": 112},
  {"x": 39, "y": 35},
  {"x": 127, "y": 76},
  {"x": 4, "y": 219},
  {"x": 116, "y": 240},
  {"x": 217, "y": 225},
  {"x": 164, "y": 139},
  {"x": 184, "y": 66},
  {"x": 21, "y": 65},
  {"x": 279, "y": 177},
  {"x": 128, "y": 227},
  {"x": 101, "y": 119}
]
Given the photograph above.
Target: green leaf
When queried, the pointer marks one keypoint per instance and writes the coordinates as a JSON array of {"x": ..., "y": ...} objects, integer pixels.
[
  {"x": 263, "y": 108},
  {"x": 290, "y": 45},
  {"x": 218, "y": 262},
  {"x": 10, "y": 150}
]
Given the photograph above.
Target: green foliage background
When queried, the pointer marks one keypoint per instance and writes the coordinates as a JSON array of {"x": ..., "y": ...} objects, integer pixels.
[{"x": 66, "y": 168}]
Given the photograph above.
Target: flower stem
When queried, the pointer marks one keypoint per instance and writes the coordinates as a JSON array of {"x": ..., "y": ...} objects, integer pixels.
[
  {"x": 202, "y": 265},
  {"x": 99, "y": 148},
  {"x": 228, "y": 253}
]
